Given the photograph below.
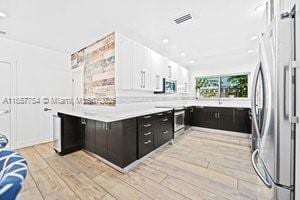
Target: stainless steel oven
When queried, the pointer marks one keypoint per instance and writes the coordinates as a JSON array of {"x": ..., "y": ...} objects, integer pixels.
[{"x": 178, "y": 120}]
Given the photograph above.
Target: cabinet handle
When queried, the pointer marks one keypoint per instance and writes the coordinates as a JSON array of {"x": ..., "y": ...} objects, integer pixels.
[
  {"x": 169, "y": 112},
  {"x": 160, "y": 114},
  {"x": 142, "y": 79},
  {"x": 83, "y": 121},
  {"x": 144, "y": 85},
  {"x": 149, "y": 133},
  {"x": 216, "y": 115},
  {"x": 147, "y": 117},
  {"x": 164, "y": 120},
  {"x": 147, "y": 125},
  {"x": 148, "y": 142},
  {"x": 165, "y": 132}
]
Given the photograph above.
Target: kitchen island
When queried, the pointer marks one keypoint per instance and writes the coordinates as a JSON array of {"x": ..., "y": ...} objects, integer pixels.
[{"x": 119, "y": 141}]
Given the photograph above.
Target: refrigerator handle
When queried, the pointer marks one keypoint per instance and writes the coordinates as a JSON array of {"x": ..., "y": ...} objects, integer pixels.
[
  {"x": 253, "y": 99},
  {"x": 285, "y": 109},
  {"x": 265, "y": 181}
]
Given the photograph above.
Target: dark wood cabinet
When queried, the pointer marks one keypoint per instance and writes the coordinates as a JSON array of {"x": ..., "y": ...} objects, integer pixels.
[
  {"x": 205, "y": 117},
  {"x": 242, "y": 120},
  {"x": 222, "y": 118},
  {"x": 154, "y": 131},
  {"x": 101, "y": 139},
  {"x": 72, "y": 133},
  {"x": 90, "y": 135},
  {"x": 225, "y": 119},
  {"x": 188, "y": 118},
  {"x": 117, "y": 141}
]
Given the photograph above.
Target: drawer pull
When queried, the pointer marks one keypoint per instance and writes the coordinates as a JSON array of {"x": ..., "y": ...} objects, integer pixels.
[
  {"x": 149, "y": 133},
  {"x": 164, "y": 120},
  {"x": 147, "y": 117},
  {"x": 169, "y": 112},
  {"x": 160, "y": 114},
  {"x": 165, "y": 132},
  {"x": 147, "y": 125},
  {"x": 148, "y": 142}
]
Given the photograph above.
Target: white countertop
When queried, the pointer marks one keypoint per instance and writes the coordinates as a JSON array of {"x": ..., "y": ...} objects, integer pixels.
[
  {"x": 113, "y": 116},
  {"x": 126, "y": 111}
]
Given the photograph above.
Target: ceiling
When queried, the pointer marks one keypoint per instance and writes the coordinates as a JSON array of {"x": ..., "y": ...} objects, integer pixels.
[{"x": 218, "y": 35}]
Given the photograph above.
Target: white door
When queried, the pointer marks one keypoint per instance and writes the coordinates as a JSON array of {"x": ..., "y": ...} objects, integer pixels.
[{"x": 5, "y": 94}]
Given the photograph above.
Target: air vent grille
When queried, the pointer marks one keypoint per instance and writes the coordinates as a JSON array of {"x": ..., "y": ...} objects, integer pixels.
[{"x": 183, "y": 18}]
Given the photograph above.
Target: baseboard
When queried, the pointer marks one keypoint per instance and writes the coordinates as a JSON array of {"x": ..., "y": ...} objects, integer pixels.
[
  {"x": 222, "y": 132},
  {"x": 31, "y": 143}
]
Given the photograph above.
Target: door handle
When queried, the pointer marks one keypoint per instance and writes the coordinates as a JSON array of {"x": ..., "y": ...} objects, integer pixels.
[
  {"x": 47, "y": 109},
  {"x": 285, "y": 112},
  {"x": 2, "y": 112},
  {"x": 253, "y": 100},
  {"x": 266, "y": 182}
]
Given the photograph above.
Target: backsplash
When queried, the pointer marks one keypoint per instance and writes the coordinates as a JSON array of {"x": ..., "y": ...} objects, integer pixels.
[{"x": 98, "y": 62}]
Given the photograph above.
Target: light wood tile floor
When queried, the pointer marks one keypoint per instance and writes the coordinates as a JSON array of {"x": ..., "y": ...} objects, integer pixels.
[{"x": 199, "y": 166}]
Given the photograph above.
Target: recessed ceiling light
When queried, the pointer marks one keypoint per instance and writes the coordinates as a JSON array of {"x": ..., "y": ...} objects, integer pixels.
[
  {"x": 192, "y": 62},
  {"x": 182, "y": 54},
  {"x": 165, "y": 41},
  {"x": 250, "y": 51},
  {"x": 3, "y": 14},
  {"x": 254, "y": 37}
]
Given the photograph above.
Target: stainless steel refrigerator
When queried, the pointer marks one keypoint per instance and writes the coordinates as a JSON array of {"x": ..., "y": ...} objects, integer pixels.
[{"x": 274, "y": 107}]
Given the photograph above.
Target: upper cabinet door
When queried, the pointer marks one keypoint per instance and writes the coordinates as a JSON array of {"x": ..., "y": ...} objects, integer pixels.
[
  {"x": 124, "y": 56},
  {"x": 172, "y": 70},
  {"x": 141, "y": 67},
  {"x": 158, "y": 70}
]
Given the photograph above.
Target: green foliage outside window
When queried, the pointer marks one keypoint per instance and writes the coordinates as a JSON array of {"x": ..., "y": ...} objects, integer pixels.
[{"x": 235, "y": 86}]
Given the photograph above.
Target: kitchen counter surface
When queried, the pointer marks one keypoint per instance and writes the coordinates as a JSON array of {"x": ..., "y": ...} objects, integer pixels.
[
  {"x": 106, "y": 116},
  {"x": 122, "y": 112}
]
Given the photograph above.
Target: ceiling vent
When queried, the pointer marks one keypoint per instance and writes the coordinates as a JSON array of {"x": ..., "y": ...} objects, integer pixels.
[
  {"x": 183, "y": 18},
  {"x": 2, "y": 32}
]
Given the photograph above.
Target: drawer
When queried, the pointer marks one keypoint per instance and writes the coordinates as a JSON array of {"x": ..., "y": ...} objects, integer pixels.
[
  {"x": 145, "y": 134},
  {"x": 146, "y": 145},
  {"x": 146, "y": 127},
  {"x": 146, "y": 119}
]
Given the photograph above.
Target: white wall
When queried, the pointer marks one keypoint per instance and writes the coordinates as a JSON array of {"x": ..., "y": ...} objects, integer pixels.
[{"x": 36, "y": 72}]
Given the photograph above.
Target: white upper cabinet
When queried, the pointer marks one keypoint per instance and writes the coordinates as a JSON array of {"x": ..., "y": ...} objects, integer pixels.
[
  {"x": 159, "y": 70},
  {"x": 124, "y": 69},
  {"x": 172, "y": 70},
  {"x": 183, "y": 80},
  {"x": 141, "y": 67}
]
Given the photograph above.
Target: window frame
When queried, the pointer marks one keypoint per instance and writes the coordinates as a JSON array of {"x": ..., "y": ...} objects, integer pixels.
[{"x": 219, "y": 92}]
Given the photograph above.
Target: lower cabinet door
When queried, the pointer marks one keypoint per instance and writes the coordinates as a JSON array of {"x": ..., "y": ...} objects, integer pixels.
[
  {"x": 115, "y": 143},
  {"x": 242, "y": 121},
  {"x": 90, "y": 136},
  {"x": 101, "y": 139},
  {"x": 205, "y": 117},
  {"x": 226, "y": 119},
  {"x": 162, "y": 135}
]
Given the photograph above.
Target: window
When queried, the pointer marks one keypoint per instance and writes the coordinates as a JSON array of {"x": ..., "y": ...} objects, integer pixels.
[
  {"x": 228, "y": 86},
  {"x": 208, "y": 87},
  {"x": 234, "y": 86}
]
